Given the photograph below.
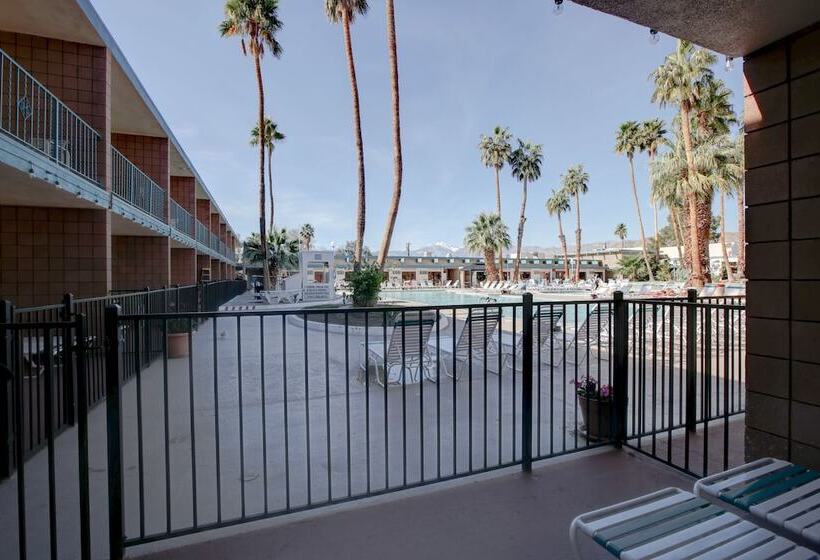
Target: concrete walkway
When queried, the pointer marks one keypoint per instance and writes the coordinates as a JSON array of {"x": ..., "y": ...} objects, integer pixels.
[{"x": 507, "y": 515}]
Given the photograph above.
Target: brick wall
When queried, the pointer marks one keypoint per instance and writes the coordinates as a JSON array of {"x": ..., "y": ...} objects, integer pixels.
[
  {"x": 139, "y": 262},
  {"x": 203, "y": 211},
  {"x": 183, "y": 192},
  {"x": 216, "y": 270},
  {"x": 782, "y": 119},
  {"x": 183, "y": 266},
  {"x": 202, "y": 261},
  {"x": 46, "y": 252}
]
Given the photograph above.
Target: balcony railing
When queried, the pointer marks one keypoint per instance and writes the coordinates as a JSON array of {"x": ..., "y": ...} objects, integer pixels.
[
  {"x": 135, "y": 187},
  {"x": 214, "y": 243},
  {"x": 33, "y": 115},
  {"x": 182, "y": 220},
  {"x": 202, "y": 234}
]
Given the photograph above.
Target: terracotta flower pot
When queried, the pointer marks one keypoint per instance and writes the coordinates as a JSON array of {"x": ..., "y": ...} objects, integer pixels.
[
  {"x": 598, "y": 417},
  {"x": 178, "y": 345}
]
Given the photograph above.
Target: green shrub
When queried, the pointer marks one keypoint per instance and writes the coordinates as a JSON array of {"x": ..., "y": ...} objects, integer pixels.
[{"x": 365, "y": 283}]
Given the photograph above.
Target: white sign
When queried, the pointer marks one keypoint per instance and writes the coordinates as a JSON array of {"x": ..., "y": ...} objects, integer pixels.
[{"x": 318, "y": 275}]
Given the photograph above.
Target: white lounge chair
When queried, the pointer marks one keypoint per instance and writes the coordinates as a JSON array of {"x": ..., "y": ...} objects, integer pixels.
[
  {"x": 550, "y": 326},
  {"x": 776, "y": 492},
  {"x": 476, "y": 337},
  {"x": 593, "y": 333},
  {"x": 406, "y": 351},
  {"x": 672, "y": 523}
]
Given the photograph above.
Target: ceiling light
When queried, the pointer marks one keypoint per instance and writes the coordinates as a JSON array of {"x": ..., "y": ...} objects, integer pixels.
[
  {"x": 730, "y": 63},
  {"x": 654, "y": 37},
  {"x": 559, "y": 7}
]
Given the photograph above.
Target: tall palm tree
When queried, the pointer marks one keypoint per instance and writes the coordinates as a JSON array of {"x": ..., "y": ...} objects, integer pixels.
[
  {"x": 557, "y": 204},
  {"x": 487, "y": 234},
  {"x": 576, "y": 182},
  {"x": 620, "y": 231},
  {"x": 653, "y": 136},
  {"x": 256, "y": 23},
  {"x": 525, "y": 162},
  {"x": 281, "y": 248},
  {"x": 629, "y": 140},
  {"x": 495, "y": 152},
  {"x": 345, "y": 12},
  {"x": 306, "y": 235},
  {"x": 393, "y": 212},
  {"x": 682, "y": 79},
  {"x": 272, "y": 136}
]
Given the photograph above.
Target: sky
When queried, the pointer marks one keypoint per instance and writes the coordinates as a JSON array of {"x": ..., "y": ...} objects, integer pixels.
[{"x": 565, "y": 81}]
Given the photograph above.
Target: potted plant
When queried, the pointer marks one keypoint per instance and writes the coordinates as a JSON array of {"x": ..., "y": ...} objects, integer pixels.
[
  {"x": 178, "y": 330},
  {"x": 595, "y": 402}
]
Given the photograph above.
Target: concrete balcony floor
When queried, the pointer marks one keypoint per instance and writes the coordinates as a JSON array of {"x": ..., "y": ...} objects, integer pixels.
[{"x": 506, "y": 514}]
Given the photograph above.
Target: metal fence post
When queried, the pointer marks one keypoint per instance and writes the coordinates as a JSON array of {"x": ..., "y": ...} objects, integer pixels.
[
  {"x": 691, "y": 360},
  {"x": 526, "y": 385},
  {"x": 69, "y": 381},
  {"x": 620, "y": 364},
  {"x": 116, "y": 530},
  {"x": 82, "y": 438},
  {"x": 6, "y": 400}
]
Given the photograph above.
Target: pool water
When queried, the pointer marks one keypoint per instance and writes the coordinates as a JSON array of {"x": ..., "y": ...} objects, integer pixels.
[{"x": 443, "y": 297}]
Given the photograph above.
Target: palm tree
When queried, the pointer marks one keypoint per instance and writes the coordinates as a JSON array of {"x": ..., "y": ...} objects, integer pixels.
[
  {"x": 272, "y": 136},
  {"x": 256, "y": 22},
  {"x": 726, "y": 175},
  {"x": 397, "y": 159},
  {"x": 576, "y": 182},
  {"x": 488, "y": 234},
  {"x": 740, "y": 198},
  {"x": 345, "y": 12},
  {"x": 620, "y": 231},
  {"x": 629, "y": 140},
  {"x": 557, "y": 204},
  {"x": 653, "y": 136},
  {"x": 495, "y": 152},
  {"x": 682, "y": 79},
  {"x": 282, "y": 251},
  {"x": 525, "y": 162},
  {"x": 665, "y": 174},
  {"x": 306, "y": 235}
]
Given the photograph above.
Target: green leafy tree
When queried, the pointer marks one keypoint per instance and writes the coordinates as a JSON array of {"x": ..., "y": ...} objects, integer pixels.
[
  {"x": 557, "y": 204},
  {"x": 487, "y": 234},
  {"x": 306, "y": 235},
  {"x": 682, "y": 80},
  {"x": 345, "y": 12},
  {"x": 495, "y": 153},
  {"x": 272, "y": 137},
  {"x": 620, "y": 231},
  {"x": 633, "y": 267},
  {"x": 282, "y": 250},
  {"x": 256, "y": 23},
  {"x": 628, "y": 141},
  {"x": 575, "y": 182},
  {"x": 525, "y": 163}
]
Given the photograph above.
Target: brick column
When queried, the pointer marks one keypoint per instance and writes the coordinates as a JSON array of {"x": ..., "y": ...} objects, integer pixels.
[
  {"x": 184, "y": 270},
  {"x": 782, "y": 119}
]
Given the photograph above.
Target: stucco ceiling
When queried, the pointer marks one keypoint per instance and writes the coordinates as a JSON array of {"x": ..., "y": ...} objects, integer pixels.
[{"x": 730, "y": 27}]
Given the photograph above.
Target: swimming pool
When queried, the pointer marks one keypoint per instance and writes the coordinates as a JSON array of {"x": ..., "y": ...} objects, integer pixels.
[{"x": 443, "y": 297}]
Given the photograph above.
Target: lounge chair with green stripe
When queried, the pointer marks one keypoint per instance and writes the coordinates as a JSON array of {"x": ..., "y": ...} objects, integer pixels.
[
  {"x": 784, "y": 496},
  {"x": 673, "y": 523}
]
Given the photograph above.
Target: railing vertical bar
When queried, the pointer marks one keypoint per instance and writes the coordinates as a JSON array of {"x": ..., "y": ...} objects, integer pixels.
[
  {"x": 403, "y": 396},
  {"x": 263, "y": 391},
  {"x": 526, "y": 384},
  {"x": 307, "y": 406},
  {"x": 347, "y": 407},
  {"x": 454, "y": 377},
  {"x": 116, "y": 520},
  {"x": 82, "y": 437},
  {"x": 140, "y": 457},
  {"x": 216, "y": 422},
  {"x": 49, "y": 427},
  {"x": 285, "y": 410},
  {"x": 438, "y": 394},
  {"x": 194, "y": 488},
  {"x": 470, "y": 389},
  {"x": 484, "y": 388},
  {"x": 166, "y": 425},
  {"x": 327, "y": 412}
]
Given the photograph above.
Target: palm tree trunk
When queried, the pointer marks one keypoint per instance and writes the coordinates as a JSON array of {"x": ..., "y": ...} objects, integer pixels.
[
  {"x": 357, "y": 131},
  {"x": 704, "y": 234},
  {"x": 723, "y": 236},
  {"x": 673, "y": 214},
  {"x": 397, "y": 161},
  {"x": 577, "y": 237},
  {"x": 657, "y": 235},
  {"x": 698, "y": 278},
  {"x": 521, "y": 219},
  {"x": 489, "y": 258},
  {"x": 263, "y": 239},
  {"x": 563, "y": 239},
  {"x": 640, "y": 220},
  {"x": 741, "y": 232},
  {"x": 270, "y": 186},
  {"x": 498, "y": 211}
]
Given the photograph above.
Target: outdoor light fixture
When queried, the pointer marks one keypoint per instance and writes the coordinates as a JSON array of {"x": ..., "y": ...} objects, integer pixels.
[
  {"x": 653, "y": 36},
  {"x": 559, "y": 7},
  {"x": 730, "y": 63}
]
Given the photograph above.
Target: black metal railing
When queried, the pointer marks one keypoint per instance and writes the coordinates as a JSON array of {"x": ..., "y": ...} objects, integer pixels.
[
  {"x": 205, "y": 297},
  {"x": 219, "y": 418}
]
